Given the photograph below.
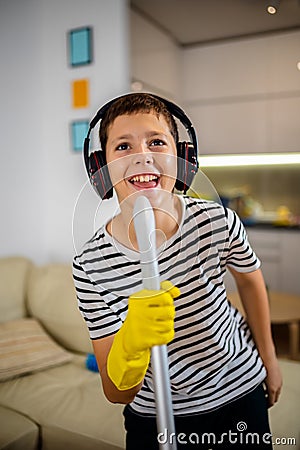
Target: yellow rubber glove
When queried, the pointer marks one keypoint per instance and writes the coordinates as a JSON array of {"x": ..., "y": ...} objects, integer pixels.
[{"x": 149, "y": 322}]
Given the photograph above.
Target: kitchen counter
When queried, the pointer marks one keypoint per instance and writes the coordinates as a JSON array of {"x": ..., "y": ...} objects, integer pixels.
[{"x": 270, "y": 226}]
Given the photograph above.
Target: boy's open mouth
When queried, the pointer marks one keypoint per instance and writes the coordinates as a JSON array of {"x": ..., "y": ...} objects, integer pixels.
[{"x": 145, "y": 181}]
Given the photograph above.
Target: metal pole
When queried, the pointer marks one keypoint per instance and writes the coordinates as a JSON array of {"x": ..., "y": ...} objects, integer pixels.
[{"x": 144, "y": 223}]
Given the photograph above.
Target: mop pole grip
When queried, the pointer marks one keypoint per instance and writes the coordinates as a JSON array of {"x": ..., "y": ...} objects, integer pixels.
[{"x": 144, "y": 223}]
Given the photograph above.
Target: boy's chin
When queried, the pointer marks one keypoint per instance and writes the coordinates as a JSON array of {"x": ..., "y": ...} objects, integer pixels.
[
  {"x": 158, "y": 194},
  {"x": 157, "y": 197}
]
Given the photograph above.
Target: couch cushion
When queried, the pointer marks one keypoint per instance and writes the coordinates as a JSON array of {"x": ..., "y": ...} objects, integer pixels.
[
  {"x": 52, "y": 299},
  {"x": 25, "y": 347},
  {"x": 68, "y": 403},
  {"x": 17, "y": 431},
  {"x": 13, "y": 279}
]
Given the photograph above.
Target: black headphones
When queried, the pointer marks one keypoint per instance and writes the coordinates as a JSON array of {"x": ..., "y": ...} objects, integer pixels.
[{"x": 187, "y": 153}]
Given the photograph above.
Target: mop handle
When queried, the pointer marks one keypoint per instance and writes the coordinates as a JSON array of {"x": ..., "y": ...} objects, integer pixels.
[{"x": 144, "y": 223}]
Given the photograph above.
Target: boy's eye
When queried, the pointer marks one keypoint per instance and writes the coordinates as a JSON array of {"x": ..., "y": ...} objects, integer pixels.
[
  {"x": 123, "y": 146},
  {"x": 157, "y": 143}
]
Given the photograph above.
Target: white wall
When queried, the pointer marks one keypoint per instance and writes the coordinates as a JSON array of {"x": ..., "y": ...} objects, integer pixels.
[
  {"x": 40, "y": 177},
  {"x": 155, "y": 59},
  {"x": 21, "y": 158},
  {"x": 244, "y": 96}
]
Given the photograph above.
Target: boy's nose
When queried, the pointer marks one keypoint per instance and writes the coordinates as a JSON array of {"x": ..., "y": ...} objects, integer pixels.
[{"x": 143, "y": 156}]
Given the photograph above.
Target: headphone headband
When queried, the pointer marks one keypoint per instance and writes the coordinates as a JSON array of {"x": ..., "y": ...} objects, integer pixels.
[{"x": 186, "y": 150}]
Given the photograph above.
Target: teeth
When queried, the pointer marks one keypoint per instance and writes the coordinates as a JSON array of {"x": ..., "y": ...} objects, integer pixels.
[{"x": 144, "y": 178}]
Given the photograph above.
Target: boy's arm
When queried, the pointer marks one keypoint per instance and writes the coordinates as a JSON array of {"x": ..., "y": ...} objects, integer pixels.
[
  {"x": 253, "y": 294},
  {"x": 123, "y": 358},
  {"x": 101, "y": 349}
]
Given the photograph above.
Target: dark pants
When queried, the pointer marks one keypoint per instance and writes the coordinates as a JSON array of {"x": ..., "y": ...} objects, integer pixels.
[{"x": 241, "y": 424}]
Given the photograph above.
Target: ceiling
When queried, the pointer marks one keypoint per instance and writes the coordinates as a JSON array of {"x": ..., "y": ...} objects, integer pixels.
[{"x": 196, "y": 22}]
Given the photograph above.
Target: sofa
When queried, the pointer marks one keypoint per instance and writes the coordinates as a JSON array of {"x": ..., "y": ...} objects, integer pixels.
[{"x": 49, "y": 398}]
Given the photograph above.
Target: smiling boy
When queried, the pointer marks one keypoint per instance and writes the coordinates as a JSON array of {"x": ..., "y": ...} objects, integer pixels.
[{"x": 217, "y": 366}]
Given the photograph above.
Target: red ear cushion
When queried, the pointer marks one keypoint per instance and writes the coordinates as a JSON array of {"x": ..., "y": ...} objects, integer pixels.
[
  {"x": 99, "y": 175},
  {"x": 187, "y": 165}
]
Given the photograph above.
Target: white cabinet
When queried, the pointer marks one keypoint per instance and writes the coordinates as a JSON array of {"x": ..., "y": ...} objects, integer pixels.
[
  {"x": 279, "y": 252},
  {"x": 290, "y": 261},
  {"x": 238, "y": 106},
  {"x": 267, "y": 245}
]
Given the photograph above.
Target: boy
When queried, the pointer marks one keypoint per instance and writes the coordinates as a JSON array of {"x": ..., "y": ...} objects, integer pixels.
[{"x": 217, "y": 366}]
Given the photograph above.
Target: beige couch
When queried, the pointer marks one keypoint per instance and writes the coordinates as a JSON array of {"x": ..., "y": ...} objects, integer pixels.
[
  {"x": 59, "y": 405},
  {"x": 48, "y": 399}
]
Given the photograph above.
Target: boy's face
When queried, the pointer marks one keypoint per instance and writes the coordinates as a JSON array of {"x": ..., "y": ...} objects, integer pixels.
[{"x": 141, "y": 156}]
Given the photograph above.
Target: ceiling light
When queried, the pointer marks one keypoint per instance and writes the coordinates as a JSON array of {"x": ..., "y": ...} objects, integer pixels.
[
  {"x": 137, "y": 86},
  {"x": 298, "y": 65},
  {"x": 255, "y": 159},
  {"x": 272, "y": 6}
]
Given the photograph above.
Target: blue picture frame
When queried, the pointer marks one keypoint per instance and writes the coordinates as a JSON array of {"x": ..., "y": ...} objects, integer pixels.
[
  {"x": 80, "y": 46},
  {"x": 79, "y": 130}
]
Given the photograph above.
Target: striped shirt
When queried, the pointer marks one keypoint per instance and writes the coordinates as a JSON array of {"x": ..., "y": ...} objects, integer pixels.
[{"x": 212, "y": 359}]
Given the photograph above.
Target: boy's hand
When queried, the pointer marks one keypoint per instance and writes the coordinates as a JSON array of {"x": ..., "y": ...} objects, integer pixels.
[
  {"x": 273, "y": 380},
  {"x": 149, "y": 322},
  {"x": 150, "y": 319}
]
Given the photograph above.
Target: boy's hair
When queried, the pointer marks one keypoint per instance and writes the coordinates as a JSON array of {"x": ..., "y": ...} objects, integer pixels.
[{"x": 133, "y": 104}]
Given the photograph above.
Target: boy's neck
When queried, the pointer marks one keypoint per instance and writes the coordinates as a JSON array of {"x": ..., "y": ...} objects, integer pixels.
[{"x": 167, "y": 222}]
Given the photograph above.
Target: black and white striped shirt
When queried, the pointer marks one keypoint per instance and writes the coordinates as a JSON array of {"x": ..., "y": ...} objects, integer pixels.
[{"x": 212, "y": 359}]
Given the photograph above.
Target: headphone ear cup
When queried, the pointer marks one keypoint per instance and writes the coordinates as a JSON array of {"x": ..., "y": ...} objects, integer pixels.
[
  {"x": 187, "y": 165},
  {"x": 99, "y": 175}
]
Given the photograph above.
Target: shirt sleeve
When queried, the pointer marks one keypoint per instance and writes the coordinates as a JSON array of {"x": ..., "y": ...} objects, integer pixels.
[
  {"x": 100, "y": 319},
  {"x": 241, "y": 256}
]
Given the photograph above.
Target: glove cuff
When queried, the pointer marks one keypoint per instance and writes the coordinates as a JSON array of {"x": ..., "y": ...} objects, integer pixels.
[{"x": 126, "y": 371}]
